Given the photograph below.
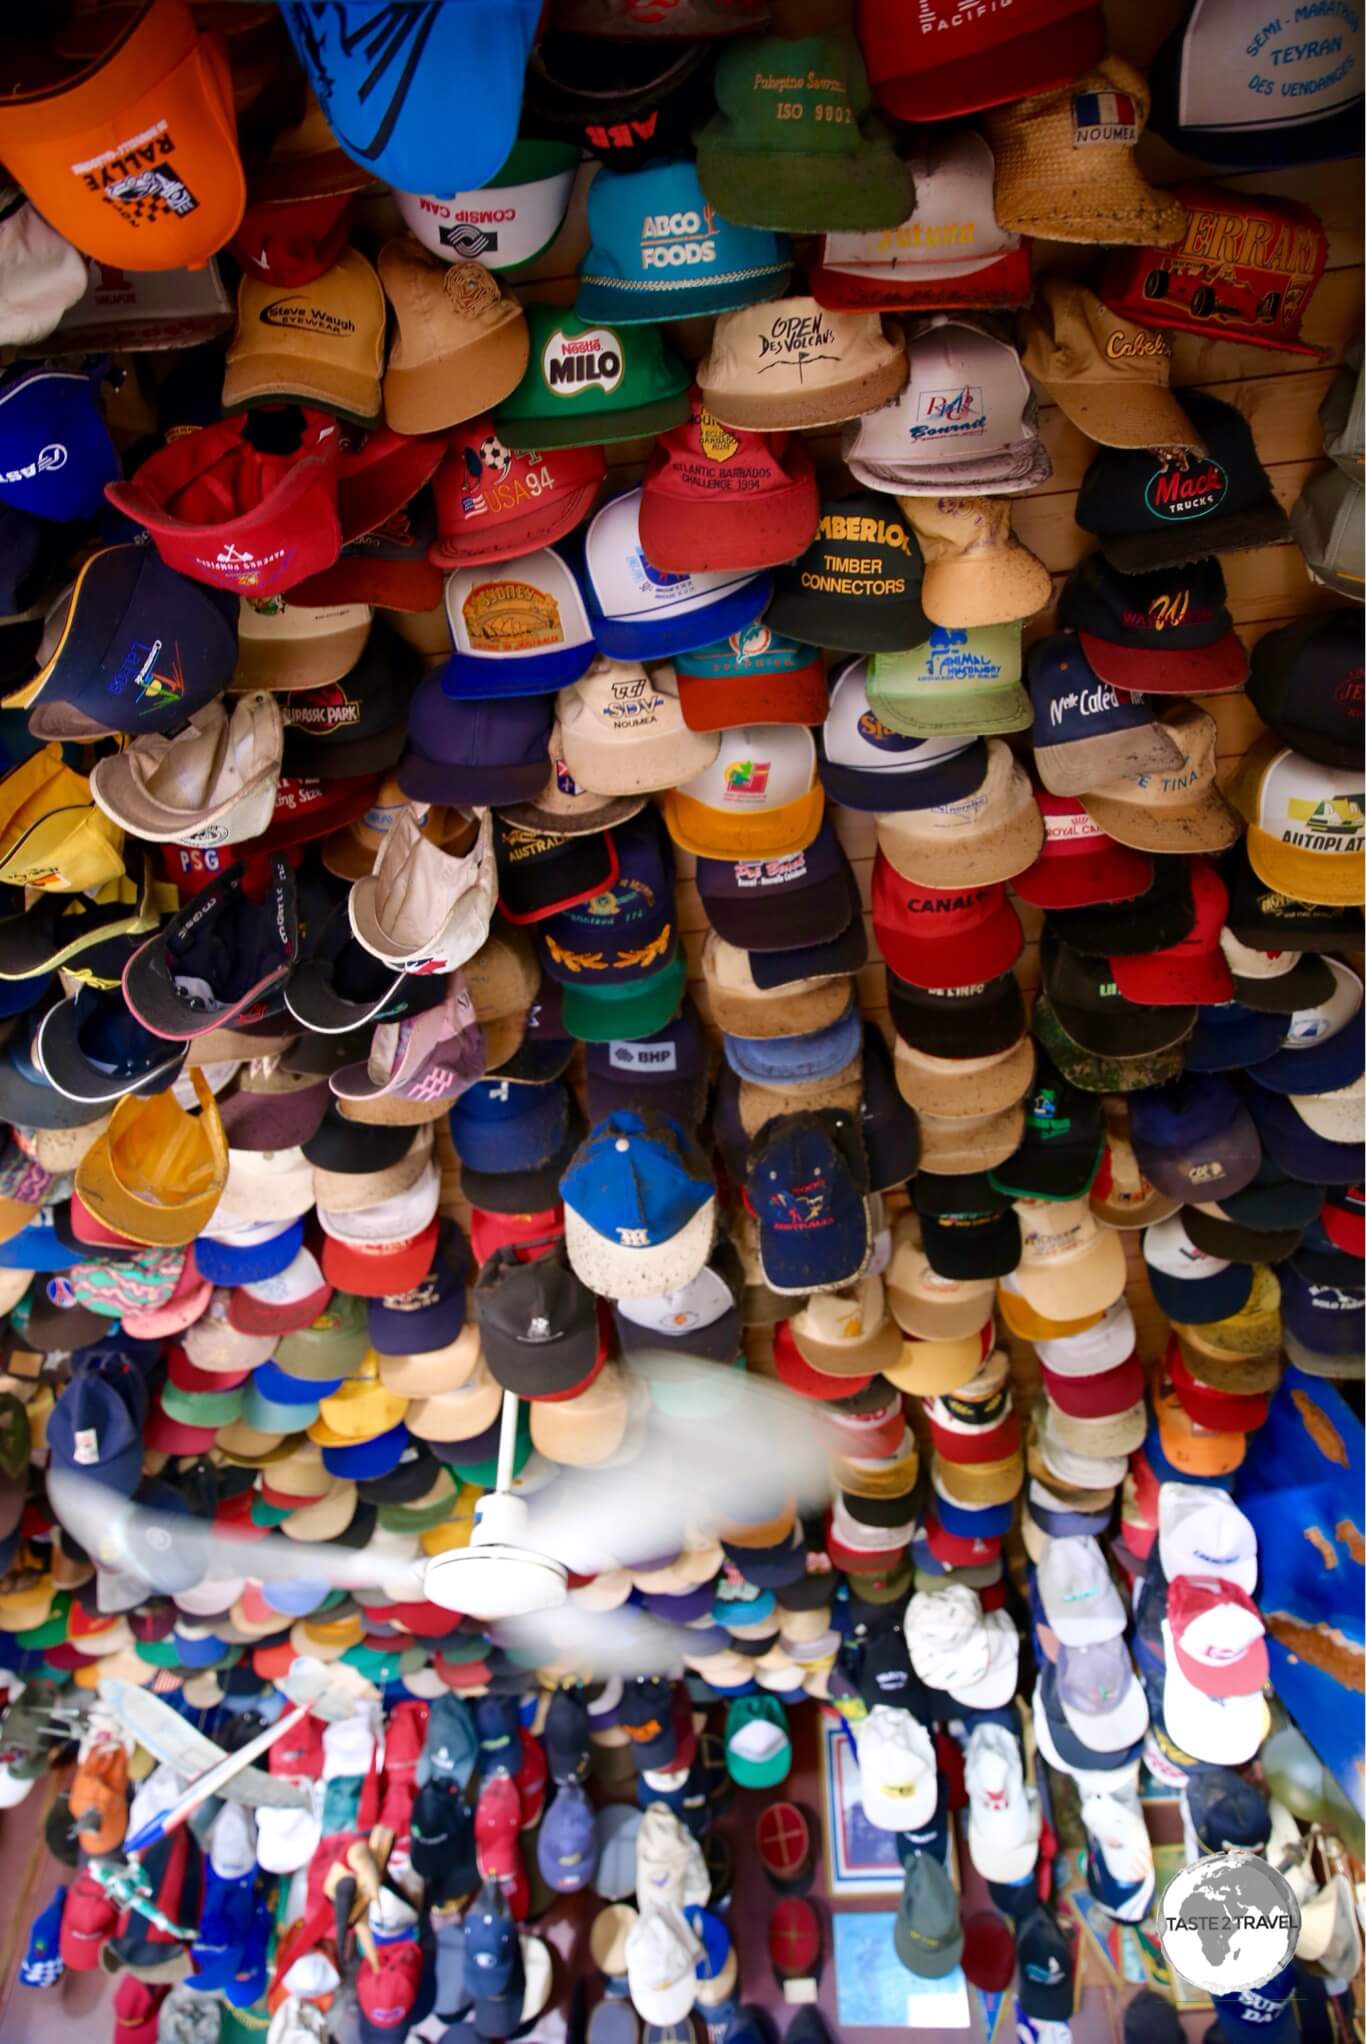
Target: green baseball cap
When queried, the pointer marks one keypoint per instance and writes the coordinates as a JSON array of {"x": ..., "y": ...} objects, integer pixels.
[
  {"x": 52, "y": 1631},
  {"x": 1095, "y": 1074},
  {"x": 587, "y": 384},
  {"x": 623, "y": 1014},
  {"x": 758, "y": 1746},
  {"x": 201, "y": 1408},
  {"x": 429, "y": 1511},
  {"x": 266, "y": 1514},
  {"x": 333, "y": 1345},
  {"x": 962, "y": 681},
  {"x": 795, "y": 145}
]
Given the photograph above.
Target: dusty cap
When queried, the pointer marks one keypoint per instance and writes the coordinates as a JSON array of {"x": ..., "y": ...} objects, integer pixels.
[
  {"x": 211, "y": 783},
  {"x": 461, "y": 345},
  {"x": 622, "y": 731},
  {"x": 289, "y": 646},
  {"x": 1108, "y": 376},
  {"x": 1065, "y": 165},
  {"x": 976, "y": 571},
  {"x": 848, "y": 1333},
  {"x": 320, "y": 343},
  {"x": 1172, "y": 809},
  {"x": 792, "y": 363},
  {"x": 927, "y": 1306},
  {"x": 421, "y": 909},
  {"x": 958, "y": 1088},
  {"x": 743, "y": 1009},
  {"x": 989, "y": 835}
]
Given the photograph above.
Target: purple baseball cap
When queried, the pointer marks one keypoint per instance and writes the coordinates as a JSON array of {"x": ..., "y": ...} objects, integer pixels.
[
  {"x": 480, "y": 754},
  {"x": 776, "y": 904}
]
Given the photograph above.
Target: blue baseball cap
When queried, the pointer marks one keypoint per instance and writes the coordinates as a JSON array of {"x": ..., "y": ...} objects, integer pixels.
[
  {"x": 95, "y": 1050},
  {"x": 28, "y": 1097},
  {"x": 1193, "y": 1138},
  {"x": 138, "y": 648},
  {"x": 492, "y": 1952},
  {"x": 640, "y": 1202},
  {"x": 658, "y": 250},
  {"x": 92, "y": 1432},
  {"x": 567, "y": 1844},
  {"x": 483, "y": 754},
  {"x": 55, "y": 451},
  {"x": 498, "y": 1125},
  {"x": 260, "y": 1251},
  {"x": 1273, "y": 1200},
  {"x": 1086, "y": 733},
  {"x": 625, "y": 933},
  {"x": 20, "y": 996},
  {"x": 1230, "y": 1038},
  {"x": 42, "y": 1964},
  {"x": 641, "y": 612},
  {"x": 387, "y": 96},
  {"x": 375, "y": 1457},
  {"x": 1301, "y": 1153},
  {"x": 518, "y": 629},
  {"x": 972, "y": 1522},
  {"x": 1226, "y": 1810},
  {"x": 431, "y": 1315},
  {"x": 1322, "y": 1047},
  {"x": 780, "y": 1060},
  {"x": 666, "y": 1071},
  {"x": 807, "y": 1187},
  {"x": 39, "y": 1247},
  {"x": 1260, "y": 2015},
  {"x": 271, "y": 1415}
]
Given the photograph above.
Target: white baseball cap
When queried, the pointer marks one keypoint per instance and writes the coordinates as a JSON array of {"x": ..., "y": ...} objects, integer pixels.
[
  {"x": 1203, "y": 1533},
  {"x": 661, "y": 1965},
  {"x": 1104, "y": 1346},
  {"x": 1004, "y": 1818},
  {"x": 518, "y": 628},
  {"x": 422, "y": 910},
  {"x": 640, "y": 612},
  {"x": 966, "y": 399},
  {"x": 953, "y": 218},
  {"x": 758, "y": 797},
  {"x": 1080, "y": 1600},
  {"x": 1223, "y": 1731},
  {"x": 898, "y": 1771}
]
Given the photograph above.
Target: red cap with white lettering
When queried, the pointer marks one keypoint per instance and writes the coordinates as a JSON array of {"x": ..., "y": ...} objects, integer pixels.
[{"x": 493, "y": 503}]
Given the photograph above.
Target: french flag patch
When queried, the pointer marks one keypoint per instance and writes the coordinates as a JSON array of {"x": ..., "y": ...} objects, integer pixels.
[{"x": 1104, "y": 117}]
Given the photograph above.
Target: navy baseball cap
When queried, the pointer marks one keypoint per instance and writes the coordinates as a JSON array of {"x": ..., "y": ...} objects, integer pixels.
[
  {"x": 1273, "y": 1200},
  {"x": 1260, "y": 2015},
  {"x": 1227, "y": 1811},
  {"x": 625, "y": 933},
  {"x": 1321, "y": 1047},
  {"x": 1194, "y": 1138},
  {"x": 20, "y": 996},
  {"x": 138, "y": 648},
  {"x": 1297, "y": 1149},
  {"x": 973, "y": 1522},
  {"x": 1323, "y": 1304},
  {"x": 222, "y": 960},
  {"x": 666, "y": 1072},
  {"x": 847, "y": 952},
  {"x": 92, "y": 1432},
  {"x": 807, "y": 1188},
  {"x": 779, "y": 904},
  {"x": 27, "y": 1095},
  {"x": 55, "y": 451},
  {"x": 486, "y": 754},
  {"x": 339, "y": 987},
  {"x": 432, "y": 1313},
  {"x": 94, "y": 1049},
  {"x": 1230, "y": 1038},
  {"x": 498, "y": 1125},
  {"x": 891, "y": 1131}
]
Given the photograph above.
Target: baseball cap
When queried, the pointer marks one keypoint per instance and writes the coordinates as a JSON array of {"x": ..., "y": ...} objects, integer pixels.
[
  {"x": 976, "y": 571},
  {"x": 297, "y": 645},
  {"x": 1283, "y": 249},
  {"x": 658, "y": 250},
  {"x": 537, "y": 1323},
  {"x": 213, "y": 782},
  {"x": 989, "y": 834},
  {"x": 666, "y": 1070},
  {"x": 1320, "y": 1047},
  {"x": 941, "y": 938},
  {"x": 831, "y": 366},
  {"x": 1194, "y": 970},
  {"x": 1166, "y": 632},
  {"x": 641, "y": 612},
  {"x": 133, "y": 648},
  {"x": 588, "y": 383},
  {"x": 1036, "y": 140},
  {"x": 475, "y": 753},
  {"x": 521, "y": 631},
  {"x": 717, "y": 499},
  {"x": 422, "y": 909},
  {"x": 1160, "y": 508},
  {"x": 865, "y": 764},
  {"x": 759, "y": 797},
  {"x": 1108, "y": 376},
  {"x": 960, "y": 680},
  {"x": 857, "y": 586},
  {"x": 753, "y": 676},
  {"x": 622, "y": 731},
  {"x": 948, "y": 252},
  {"x": 979, "y": 62},
  {"x": 1326, "y": 528},
  {"x": 1195, "y": 1137},
  {"x": 830, "y": 166},
  {"x": 1079, "y": 865},
  {"x": 1189, "y": 1285},
  {"x": 1303, "y": 684},
  {"x": 156, "y": 1173},
  {"x": 965, "y": 416},
  {"x": 1087, "y": 734},
  {"x": 245, "y": 517},
  {"x": 507, "y": 221},
  {"x": 457, "y": 330},
  {"x": 319, "y": 343},
  {"x": 222, "y": 960},
  {"x": 54, "y": 444},
  {"x": 640, "y": 1207},
  {"x": 807, "y": 1189},
  {"x": 1268, "y": 919},
  {"x": 398, "y": 141},
  {"x": 494, "y": 503},
  {"x": 1304, "y": 824},
  {"x": 1068, "y": 1262},
  {"x": 1209, "y": 110},
  {"x": 1172, "y": 807},
  {"x": 927, "y": 1933}
]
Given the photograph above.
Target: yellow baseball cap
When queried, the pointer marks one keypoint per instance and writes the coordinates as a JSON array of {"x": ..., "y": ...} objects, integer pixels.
[
  {"x": 320, "y": 343},
  {"x": 157, "y": 1172},
  {"x": 52, "y": 836},
  {"x": 359, "y": 1410}
]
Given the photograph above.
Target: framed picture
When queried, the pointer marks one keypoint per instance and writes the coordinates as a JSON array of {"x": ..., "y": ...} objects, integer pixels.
[{"x": 859, "y": 1858}]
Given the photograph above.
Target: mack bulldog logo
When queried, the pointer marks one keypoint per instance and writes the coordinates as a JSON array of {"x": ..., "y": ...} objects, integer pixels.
[{"x": 1185, "y": 486}]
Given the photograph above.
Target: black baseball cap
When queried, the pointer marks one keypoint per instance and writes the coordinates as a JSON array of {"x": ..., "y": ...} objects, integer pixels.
[
  {"x": 69, "y": 931},
  {"x": 666, "y": 1072},
  {"x": 1044, "y": 1961},
  {"x": 891, "y": 1129},
  {"x": 625, "y": 102},
  {"x": 968, "y": 1244},
  {"x": 355, "y": 1146},
  {"x": 1166, "y": 632},
  {"x": 1064, "y": 1140},
  {"x": 958, "y": 1022},
  {"x": 540, "y": 873},
  {"x": 221, "y": 961},
  {"x": 846, "y": 952},
  {"x": 357, "y": 725},
  {"x": 1095, "y": 1014},
  {"x": 411, "y": 1477},
  {"x": 94, "y": 1049},
  {"x": 1154, "y": 921},
  {"x": 1267, "y": 920},
  {"x": 1274, "y": 1200},
  {"x": 534, "y": 1188},
  {"x": 779, "y": 904},
  {"x": 1160, "y": 507},
  {"x": 1307, "y": 683},
  {"x": 340, "y": 988},
  {"x": 1095, "y": 1072},
  {"x": 1212, "y": 1232},
  {"x": 538, "y": 1322},
  {"x": 856, "y": 589}
]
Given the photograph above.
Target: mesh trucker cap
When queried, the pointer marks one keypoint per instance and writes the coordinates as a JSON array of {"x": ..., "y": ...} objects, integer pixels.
[
  {"x": 519, "y": 630},
  {"x": 641, "y": 612},
  {"x": 1306, "y": 825}
]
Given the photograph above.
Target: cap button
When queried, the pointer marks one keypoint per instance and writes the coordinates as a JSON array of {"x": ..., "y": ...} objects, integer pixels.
[{"x": 622, "y": 1143}]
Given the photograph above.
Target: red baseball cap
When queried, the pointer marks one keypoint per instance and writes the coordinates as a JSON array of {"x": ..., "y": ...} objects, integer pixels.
[
  {"x": 864, "y": 1435},
  {"x": 936, "y": 61},
  {"x": 532, "y": 1778},
  {"x": 493, "y": 503},
  {"x": 282, "y": 1304},
  {"x": 975, "y": 1444},
  {"x": 306, "y": 810},
  {"x": 388, "y": 1991},
  {"x": 172, "y": 1436},
  {"x": 187, "y": 1376},
  {"x": 1081, "y": 865},
  {"x": 489, "y": 1231},
  {"x": 232, "y": 1518},
  {"x": 276, "y": 1657},
  {"x": 1195, "y": 970},
  {"x": 1343, "y": 1215},
  {"x": 715, "y": 497},
  {"x": 793, "y": 1370},
  {"x": 939, "y": 938},
  {"x": 88, "y": 1919},
  {"x": 292, "y": 241},
  {"x": 958, "y": 1550},
  {"x": 373, "y": 1270},
  {"x": 1224, "y": 1412},
  {"x": 234, "y": 515},
  {"x": 497, "y": 1822},
  {"x": 1098, "y": 1397},
  {"x": 86, "y": 1228},
  {"x": 462, "y": 1674},
  {"x": 1218, "y": 1635},
  {"x": 137, "y": 2005},
  {"x": 755, "y": 676},
  {"x": 861, "y": 1560}
]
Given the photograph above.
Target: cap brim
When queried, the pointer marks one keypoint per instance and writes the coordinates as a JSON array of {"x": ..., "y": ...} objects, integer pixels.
[
  {"x": 58, "y": 1047},
  {"x": 1134, "y": 553},
  {"x": 1181, "y": 671},
  {"x": 509, "y": 538}
]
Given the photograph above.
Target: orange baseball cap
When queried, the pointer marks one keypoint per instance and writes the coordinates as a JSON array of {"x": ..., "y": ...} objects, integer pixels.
[
  {"x": 131, "y": 152},
  {"x": 1194, "y": 1450}
]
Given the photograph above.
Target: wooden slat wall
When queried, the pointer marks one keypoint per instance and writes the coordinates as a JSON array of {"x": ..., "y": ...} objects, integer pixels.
[{"x": 1278, "y": 394}]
